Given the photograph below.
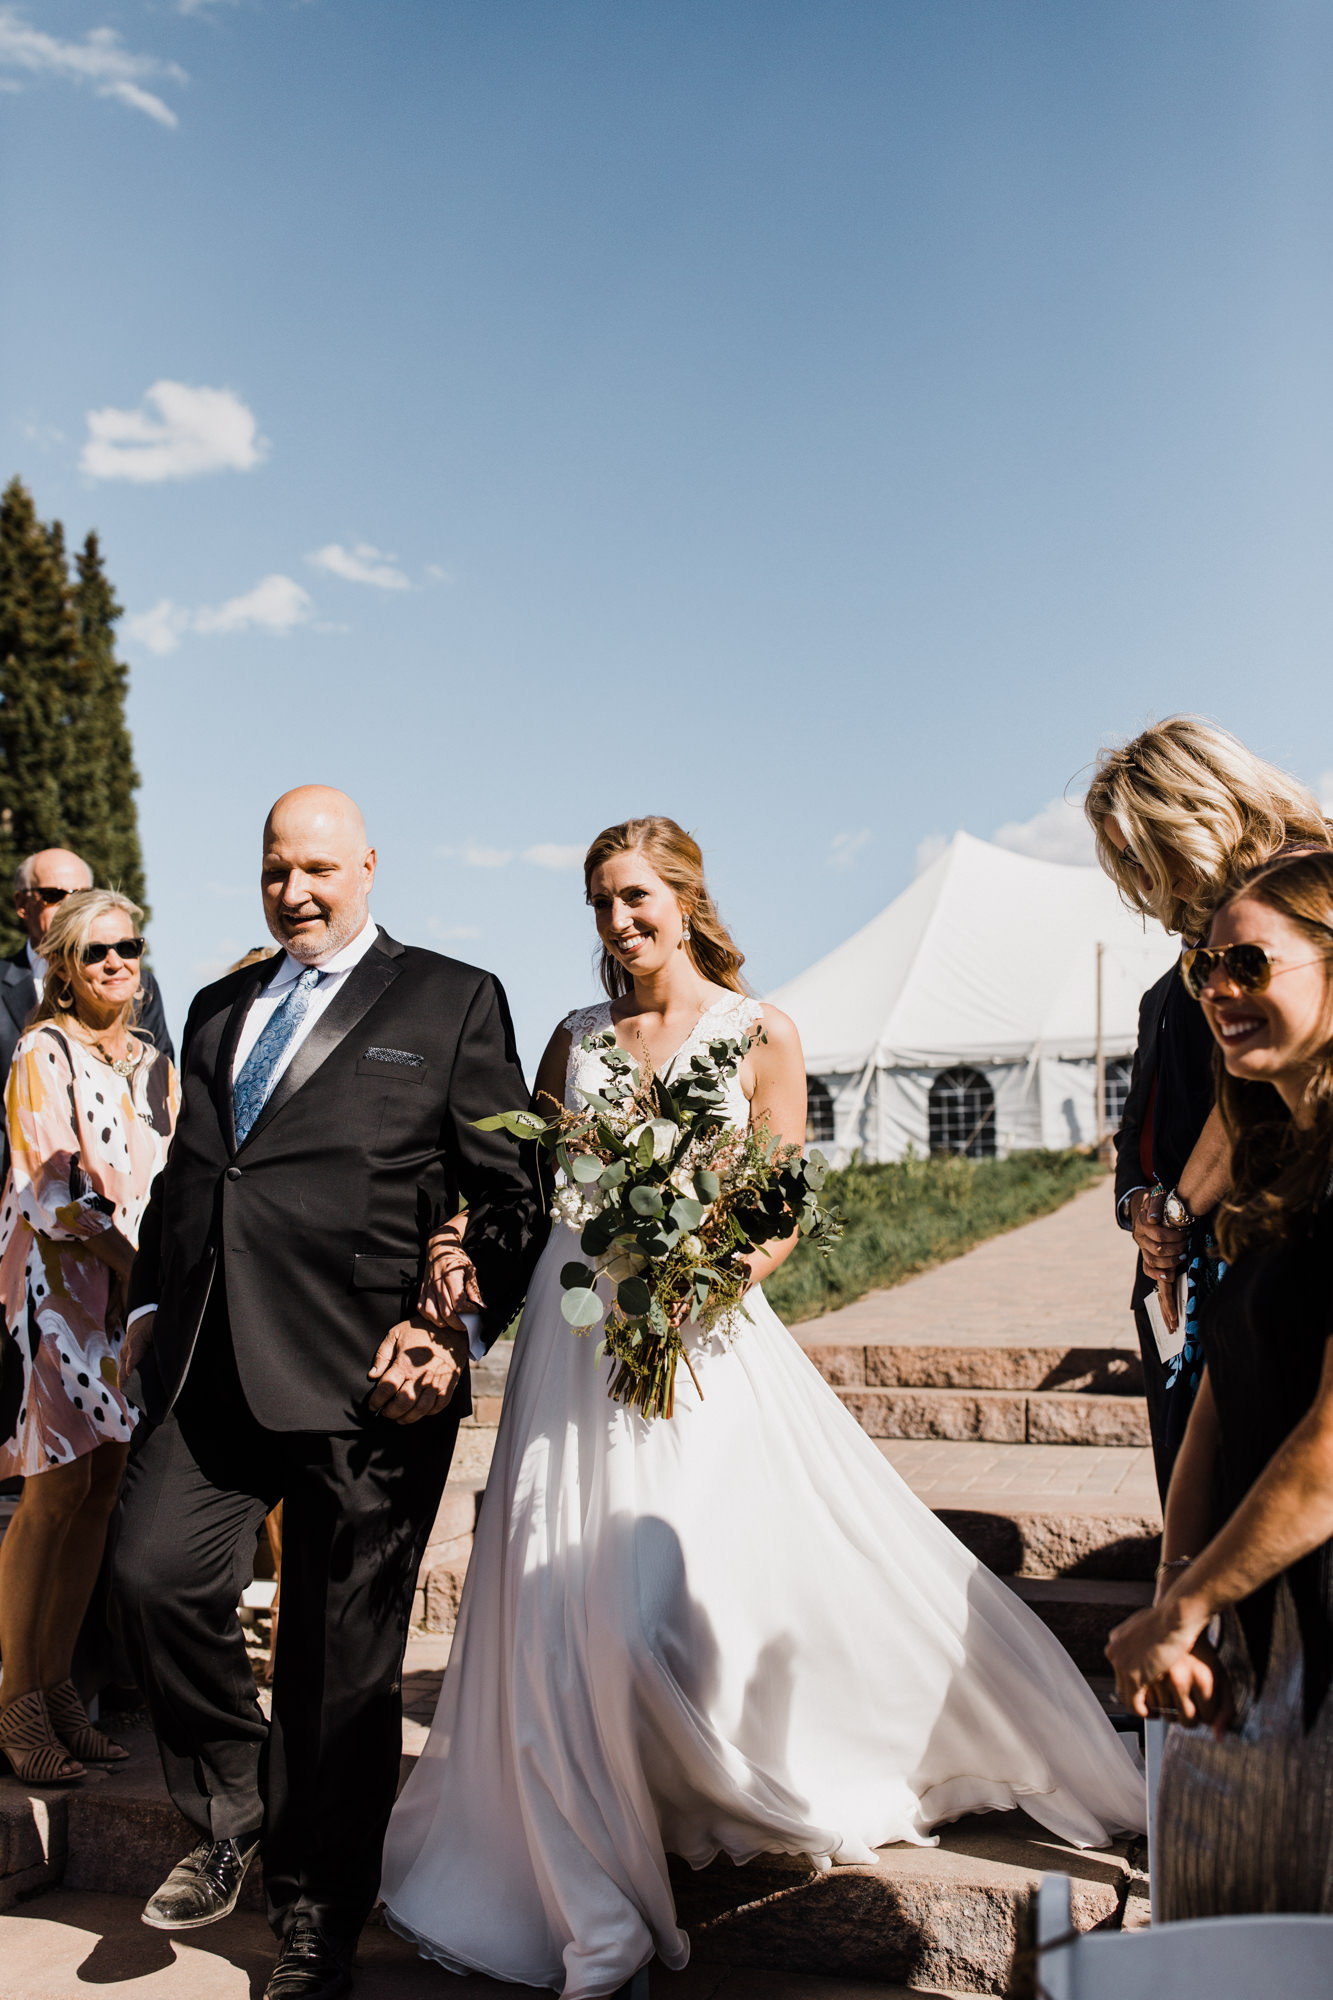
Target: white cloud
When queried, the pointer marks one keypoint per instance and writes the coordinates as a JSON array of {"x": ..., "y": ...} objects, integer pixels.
[
  {"x": 929, "y": 850},
  {"x": 437, "y": 573},
  {"x": 1059, "y": 832},
  {"x": 99, "y": 60},
  {"x": 844, "y": 848},
  {"x": 178, "y": 433},
  {"x": 550, "y": 854},
  {"x": 362, "y": 564},
  {"x": 276, "y": 604},
  {"x": 161, "y": 628}
]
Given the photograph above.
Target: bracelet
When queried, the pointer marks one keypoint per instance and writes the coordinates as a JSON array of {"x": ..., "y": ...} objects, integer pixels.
[{"x": 1176, "y": 1562}]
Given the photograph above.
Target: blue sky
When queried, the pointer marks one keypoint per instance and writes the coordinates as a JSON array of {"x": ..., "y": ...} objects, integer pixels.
[{"x": 826, "y": 423}]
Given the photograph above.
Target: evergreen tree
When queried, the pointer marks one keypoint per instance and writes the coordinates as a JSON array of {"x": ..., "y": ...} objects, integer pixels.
[
  {"x": 100, "y": 780},
  {"x": 67, "y": 776}
]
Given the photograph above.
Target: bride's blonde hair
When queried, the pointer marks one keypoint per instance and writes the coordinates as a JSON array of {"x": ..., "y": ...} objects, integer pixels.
[{"x": 675, "y": 856}]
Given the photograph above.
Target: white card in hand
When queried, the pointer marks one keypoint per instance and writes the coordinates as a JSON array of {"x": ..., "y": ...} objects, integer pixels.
[{"x": 1168, "y": 1344}]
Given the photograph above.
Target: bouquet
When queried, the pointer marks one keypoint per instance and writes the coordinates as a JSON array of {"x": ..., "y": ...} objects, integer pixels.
[{"x": 668, "y": 1199}]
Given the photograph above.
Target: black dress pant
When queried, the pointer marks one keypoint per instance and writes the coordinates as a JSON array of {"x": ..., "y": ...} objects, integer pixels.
[{"x": 319, "y": 1783}]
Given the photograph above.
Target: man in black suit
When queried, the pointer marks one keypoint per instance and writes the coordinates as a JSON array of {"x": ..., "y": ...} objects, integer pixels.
[
  {"x": 40, "y": 886},
  {"x": 299, "y": 1305}
]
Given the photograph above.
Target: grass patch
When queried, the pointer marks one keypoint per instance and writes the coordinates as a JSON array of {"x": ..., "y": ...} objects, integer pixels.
[{"x": 906, "y": 1215}]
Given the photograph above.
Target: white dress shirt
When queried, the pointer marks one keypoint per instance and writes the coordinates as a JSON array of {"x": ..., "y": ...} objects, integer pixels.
[
  {"x": 267, "y": 1002},
  {"x": 261, "y": 1011},
  {"x": 38, "y": 964}
]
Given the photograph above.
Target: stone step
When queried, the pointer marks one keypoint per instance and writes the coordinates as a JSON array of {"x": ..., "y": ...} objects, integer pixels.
[
  {"x": 1082, "y": 1612},
  {"x": 999, "y": 1416},
  {"x": 55, "y": 1947},
  {"x": 945, "y": 1919},
  {"x": 1040, "y": 1510},
  {"x": 937, "y": 1363}
]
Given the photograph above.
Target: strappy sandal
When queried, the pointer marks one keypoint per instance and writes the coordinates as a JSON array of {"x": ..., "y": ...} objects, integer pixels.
[
  {"x": 36, "y": 1754},
  {"x": 82, "y": 1738}
]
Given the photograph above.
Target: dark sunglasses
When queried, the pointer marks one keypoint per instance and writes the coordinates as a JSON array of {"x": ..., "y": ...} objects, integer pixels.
[
  {"x": 130, "y": 948},
  {"x": 51, "y": 896},
  {"x": 1247, "y": 966}
]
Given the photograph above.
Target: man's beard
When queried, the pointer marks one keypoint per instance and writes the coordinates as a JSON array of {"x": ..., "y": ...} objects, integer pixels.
[{"x": 308, "y": 948}]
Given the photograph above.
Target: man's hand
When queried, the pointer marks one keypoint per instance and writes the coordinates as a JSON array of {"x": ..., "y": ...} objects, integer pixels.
[
  {"x": 1163, "y": 1248},
  {"x": 450, "y": 1285},
  {"x": 136, "y": 1343},
  {"x": 416, "y": 1369}
]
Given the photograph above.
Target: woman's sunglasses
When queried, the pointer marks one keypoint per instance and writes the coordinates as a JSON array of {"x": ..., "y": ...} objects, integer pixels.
[
  {"x": 93, "y": 954},
  {"x": 1247, "y": 966}
]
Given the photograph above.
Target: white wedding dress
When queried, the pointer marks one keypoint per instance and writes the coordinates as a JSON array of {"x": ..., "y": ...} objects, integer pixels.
[{"x": 732, "y": 1631}]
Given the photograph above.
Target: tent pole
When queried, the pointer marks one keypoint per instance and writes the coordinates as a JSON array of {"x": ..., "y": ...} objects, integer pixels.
[{"x": 1099, "y": 1123}]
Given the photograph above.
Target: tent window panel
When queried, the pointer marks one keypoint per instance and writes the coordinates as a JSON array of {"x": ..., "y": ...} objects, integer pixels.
[
  {"x": 962, "y": 1114},
  {"x": 1117, "y": 1090},
  {"x": 818, "y": 1112}
]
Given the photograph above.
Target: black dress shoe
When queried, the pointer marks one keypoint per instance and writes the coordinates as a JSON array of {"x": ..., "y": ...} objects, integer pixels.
[
  {"x": 201, "y": 1888},
  {"x": 311, "y": 1965}
]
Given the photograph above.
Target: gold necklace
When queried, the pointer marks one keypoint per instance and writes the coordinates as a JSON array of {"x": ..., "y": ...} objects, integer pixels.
[{"x": 122, "y": 1065}]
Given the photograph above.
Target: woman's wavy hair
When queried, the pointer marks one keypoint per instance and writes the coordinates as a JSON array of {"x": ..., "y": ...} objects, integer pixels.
[
  {"x": 62, "y": 948},
  {"x": 1187, "y": 789},
  {"x": 1279, "y": 1168},
  {"x": 675, "y": 856}
]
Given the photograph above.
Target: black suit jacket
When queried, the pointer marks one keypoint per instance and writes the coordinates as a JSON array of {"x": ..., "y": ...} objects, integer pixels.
[
  {"x": 318, "y": 1224},
  {"x": 18, "y": 997},
  {"x": 1171, "y": 1024}
]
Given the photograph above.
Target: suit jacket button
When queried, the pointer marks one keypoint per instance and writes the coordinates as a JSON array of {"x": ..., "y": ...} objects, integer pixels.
[{"x": 233, "y": 1173}]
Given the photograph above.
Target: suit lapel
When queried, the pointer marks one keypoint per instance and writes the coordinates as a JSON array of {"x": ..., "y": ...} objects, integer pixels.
[
  {"x": 231, "y": 1034},
  {"x": 364, "y": 984},
  {"x": 19, "y": 992}
]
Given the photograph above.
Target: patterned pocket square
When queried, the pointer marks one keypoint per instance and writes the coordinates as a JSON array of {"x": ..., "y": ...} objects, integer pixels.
[{"x": 404, "y": 1058}]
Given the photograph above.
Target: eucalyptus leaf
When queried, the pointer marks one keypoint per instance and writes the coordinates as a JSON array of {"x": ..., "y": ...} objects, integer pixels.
[
  {"x": 613, "y": 1175},
  {"x": 518, "y": 1124},
  {"x": 581, "y": 1307},
  {"x": 687, "y": 1214},
  {"x": 643, "y": 1152},
  {"x": 634, "y": 1297},
  {"x": 586, "y": 1168},
  {"x": 646, "y": 1201},
  {"x": 576, "y": 1276},
  {"x": 707, "y": 1185}
]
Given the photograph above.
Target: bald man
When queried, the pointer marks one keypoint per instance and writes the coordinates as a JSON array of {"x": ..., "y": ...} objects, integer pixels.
[{"x": 301, "y": 1313}]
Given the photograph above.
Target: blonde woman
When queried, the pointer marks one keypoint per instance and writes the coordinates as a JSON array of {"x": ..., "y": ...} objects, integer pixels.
[
  {"x": 732, "y": 1630},
  {"x": 1178, "y": 813},
  {"x": 90, "y": 1110}
]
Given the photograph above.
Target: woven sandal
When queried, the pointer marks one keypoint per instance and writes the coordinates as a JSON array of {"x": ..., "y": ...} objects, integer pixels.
[
  {"x": 36, "y": 1754},
  {"x": 82, "y": 1738}
]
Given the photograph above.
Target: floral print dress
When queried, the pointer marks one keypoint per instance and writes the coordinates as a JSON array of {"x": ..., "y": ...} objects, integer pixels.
[{"x": 85, "y": 1148}]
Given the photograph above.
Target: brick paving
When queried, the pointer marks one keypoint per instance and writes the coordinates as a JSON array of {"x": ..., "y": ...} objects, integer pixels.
[
  {"x": 1064, "y": 1278},
  {"x": 1123, "y": 1473}
]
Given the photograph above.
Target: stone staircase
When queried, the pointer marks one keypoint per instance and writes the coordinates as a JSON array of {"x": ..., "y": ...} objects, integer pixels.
[{"x": 1005, "y": 1388}]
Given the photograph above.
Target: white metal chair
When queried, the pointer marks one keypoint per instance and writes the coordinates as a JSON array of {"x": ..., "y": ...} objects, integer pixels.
[{"x": 1215, "y": 1958}]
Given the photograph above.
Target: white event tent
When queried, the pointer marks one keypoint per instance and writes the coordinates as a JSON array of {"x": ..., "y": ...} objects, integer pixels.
[{"x": 969, "y": 1006}]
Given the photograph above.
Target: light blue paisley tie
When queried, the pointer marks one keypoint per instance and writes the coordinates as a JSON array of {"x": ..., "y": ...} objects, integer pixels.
[{"x": 251, "y": 1090}]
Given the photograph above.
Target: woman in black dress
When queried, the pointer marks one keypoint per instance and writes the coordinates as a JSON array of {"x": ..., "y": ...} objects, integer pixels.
[
  {"x": 1178, "y": 813},
  {"x": 1246, "y": 1801}
]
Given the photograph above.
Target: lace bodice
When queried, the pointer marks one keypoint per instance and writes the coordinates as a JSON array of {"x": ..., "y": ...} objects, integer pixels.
[{"x": 731, "y": 1017}]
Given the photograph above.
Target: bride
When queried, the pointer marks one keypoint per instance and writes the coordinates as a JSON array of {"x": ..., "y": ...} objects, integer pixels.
[{"x": 732, "y": 1631}]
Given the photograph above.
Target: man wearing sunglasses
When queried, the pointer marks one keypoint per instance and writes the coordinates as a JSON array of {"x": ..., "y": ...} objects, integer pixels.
[{"x": 41, "y": 885}]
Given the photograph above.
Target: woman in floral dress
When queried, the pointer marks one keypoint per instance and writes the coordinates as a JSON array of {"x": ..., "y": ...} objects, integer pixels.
[{"x": 90, "y": 1110}]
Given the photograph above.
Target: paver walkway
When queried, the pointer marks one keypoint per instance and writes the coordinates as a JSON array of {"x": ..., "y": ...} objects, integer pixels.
[{"x": 1065, "y": 1277}]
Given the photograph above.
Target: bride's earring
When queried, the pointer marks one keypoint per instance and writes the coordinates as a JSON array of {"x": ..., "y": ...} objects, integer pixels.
[{"x": 684, "y": 938}]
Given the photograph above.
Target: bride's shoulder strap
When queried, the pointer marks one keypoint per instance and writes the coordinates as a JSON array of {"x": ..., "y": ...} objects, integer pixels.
[{"x": 584, "y": 1020}]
